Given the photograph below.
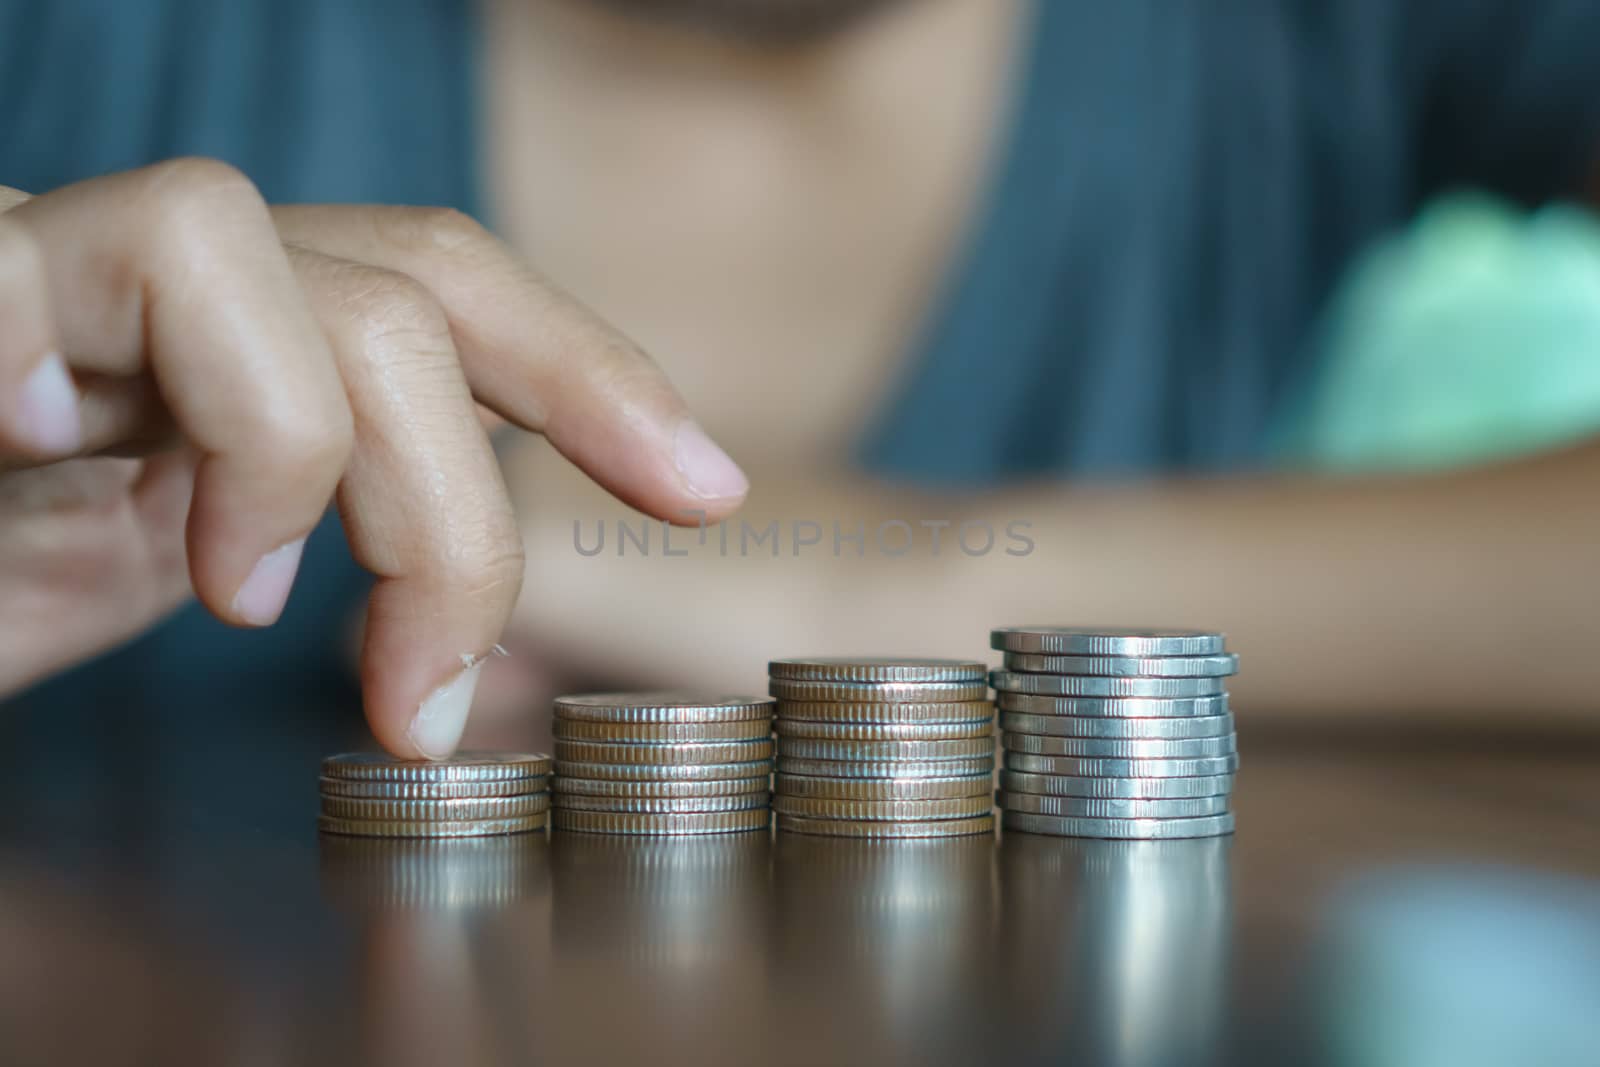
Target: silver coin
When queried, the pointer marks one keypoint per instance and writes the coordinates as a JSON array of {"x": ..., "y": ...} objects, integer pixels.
[
  {"x": 883, "y": 810},
  {"x": 661, "y": 755},
  {"x": 966, "y": 785},
  {"x": 876, "y": 669},
  {"x": 462, "y": 767},
  {"x": 658, "y": 733},
  {"x": 679, "y": 772},
  {"x": 820, "y": 768},
  {"x": 879, "y": 692},
  {"x": 865, "y": 751},
  {"x": 1120, "y": 829},
  {"x": 661, "y": 805},
  {"x": 644, "y": 823},
  {"x": 661, "y": 707},
  {"x": 799, "y": 824},
  {"x": 1117, "y": 788},
  {"x": 431, "y": 827},
  {"x": 870, "y": 712},
  {"x": 1130, "y": 729},
  {"x": 601, "y": 787},
  {"x": 1126, "y": 666},
  {"x": 895, "y": 731},
  {"x": 1113, "y": 707},
  {"x": 1091, "y": 767},
  {"x": 1112, "y": 808},
  {"x": 356, "y": 787},
  {"x": 1071, "y": 641},
  {"x": 1118, "y": 748},
  {"x": 1072, "y": 685},
  {"x": 458, "y": 809}
]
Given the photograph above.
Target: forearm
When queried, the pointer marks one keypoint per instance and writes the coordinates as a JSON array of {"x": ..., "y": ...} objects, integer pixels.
[{"x": 1445, "y": 598}]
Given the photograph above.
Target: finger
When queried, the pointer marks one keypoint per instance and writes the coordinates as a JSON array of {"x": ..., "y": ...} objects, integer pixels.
[
  {"x": 423, "y": 504},
  {"x": 179, "y": 266},
  {"x": 38, "y": 403},
  {"x": 92, "y": 553},
  {"x": 541, "y": 359},
  {"x": 46, "y": 413},
  {"x": 161, "y": 498},
  {"x": 116, "y": 416}
]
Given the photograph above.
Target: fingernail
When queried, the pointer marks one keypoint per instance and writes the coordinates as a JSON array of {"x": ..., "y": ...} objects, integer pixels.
[
  {"x": 260, "y": 599},
  {"x": 436, "y": 730},
  {"x": 706, "y": 469},
  {"x": 48, "y": 408}
]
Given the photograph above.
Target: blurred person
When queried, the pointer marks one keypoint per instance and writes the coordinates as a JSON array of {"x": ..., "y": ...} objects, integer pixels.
[{"x": 937, "y": 260}]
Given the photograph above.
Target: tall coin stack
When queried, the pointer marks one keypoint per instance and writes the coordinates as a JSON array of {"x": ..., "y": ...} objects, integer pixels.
[
  {"x": 881, "y": 748},
  {"x": 473, "y": 794},
  {"x": 1115, "y": 733},
  {"x": 662, "y": 763}
]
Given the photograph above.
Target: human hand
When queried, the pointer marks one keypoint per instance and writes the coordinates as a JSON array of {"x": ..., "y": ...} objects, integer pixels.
[{"x": 272, "y": 358}]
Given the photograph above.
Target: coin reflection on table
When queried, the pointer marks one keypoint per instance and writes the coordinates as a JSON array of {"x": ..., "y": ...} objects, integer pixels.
[
  {"x": 443, "y": 926},
  {"x": 1114, "y": 952},
  {"x": 448, "y": 875},
  {"x": 880, "y": 945},
  {"x": 657, "y": 944}
]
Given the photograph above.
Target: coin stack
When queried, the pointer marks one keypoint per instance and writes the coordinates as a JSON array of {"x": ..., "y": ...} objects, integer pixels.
[
  {"x": 473, "y": 794},
  {"x": 1115, "y": 733},
  {"x": 880, "y": 748},
  {"x": 662, "y": 763}
]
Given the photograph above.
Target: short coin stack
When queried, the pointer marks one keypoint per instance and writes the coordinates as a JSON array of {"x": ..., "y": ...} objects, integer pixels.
[
  {"x": 1115, "y": 733},
  {"x": 662, "y": 763},
  {"x": 369, "y": 794},
  {"x": 883, "y": 748}
]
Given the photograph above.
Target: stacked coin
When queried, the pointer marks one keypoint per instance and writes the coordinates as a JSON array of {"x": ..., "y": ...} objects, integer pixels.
[
  {"x": 473, "y": 794},
  {"x": 879, "y": 748},
  {"x": 1115, "y": 733},
  {"x": 662, "y": 763}
]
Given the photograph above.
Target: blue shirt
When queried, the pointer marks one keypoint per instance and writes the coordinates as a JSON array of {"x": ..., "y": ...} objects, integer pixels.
[{"x": 1181, "y": 184}]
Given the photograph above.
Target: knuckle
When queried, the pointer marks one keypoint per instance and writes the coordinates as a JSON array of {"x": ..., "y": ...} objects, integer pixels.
[
  {"x": 388, "y": 307},
  {"x": 450, "y": 226},
  {"x": 620, "y": 368},
  {"x": 436, "y": 229},
  {"x": 192, "y": 178},
  {"x": 490, "y": 570},
  {"x": 192, "y": 194},
  {"x": 305, "y": 439}
]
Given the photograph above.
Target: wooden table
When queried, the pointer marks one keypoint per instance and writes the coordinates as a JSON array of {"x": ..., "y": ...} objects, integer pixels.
[{"x": 206, "y": 922}]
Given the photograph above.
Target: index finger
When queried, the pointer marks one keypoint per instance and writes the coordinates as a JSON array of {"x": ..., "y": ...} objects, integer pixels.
[{"x": 541, "y": 359}]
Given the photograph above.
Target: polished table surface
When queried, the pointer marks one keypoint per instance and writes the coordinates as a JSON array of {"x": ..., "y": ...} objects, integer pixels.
[{"x": 218, "y": 928}]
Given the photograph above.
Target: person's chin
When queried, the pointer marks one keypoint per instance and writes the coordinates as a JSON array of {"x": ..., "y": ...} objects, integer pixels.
[{"x": 769, "y": 21}]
